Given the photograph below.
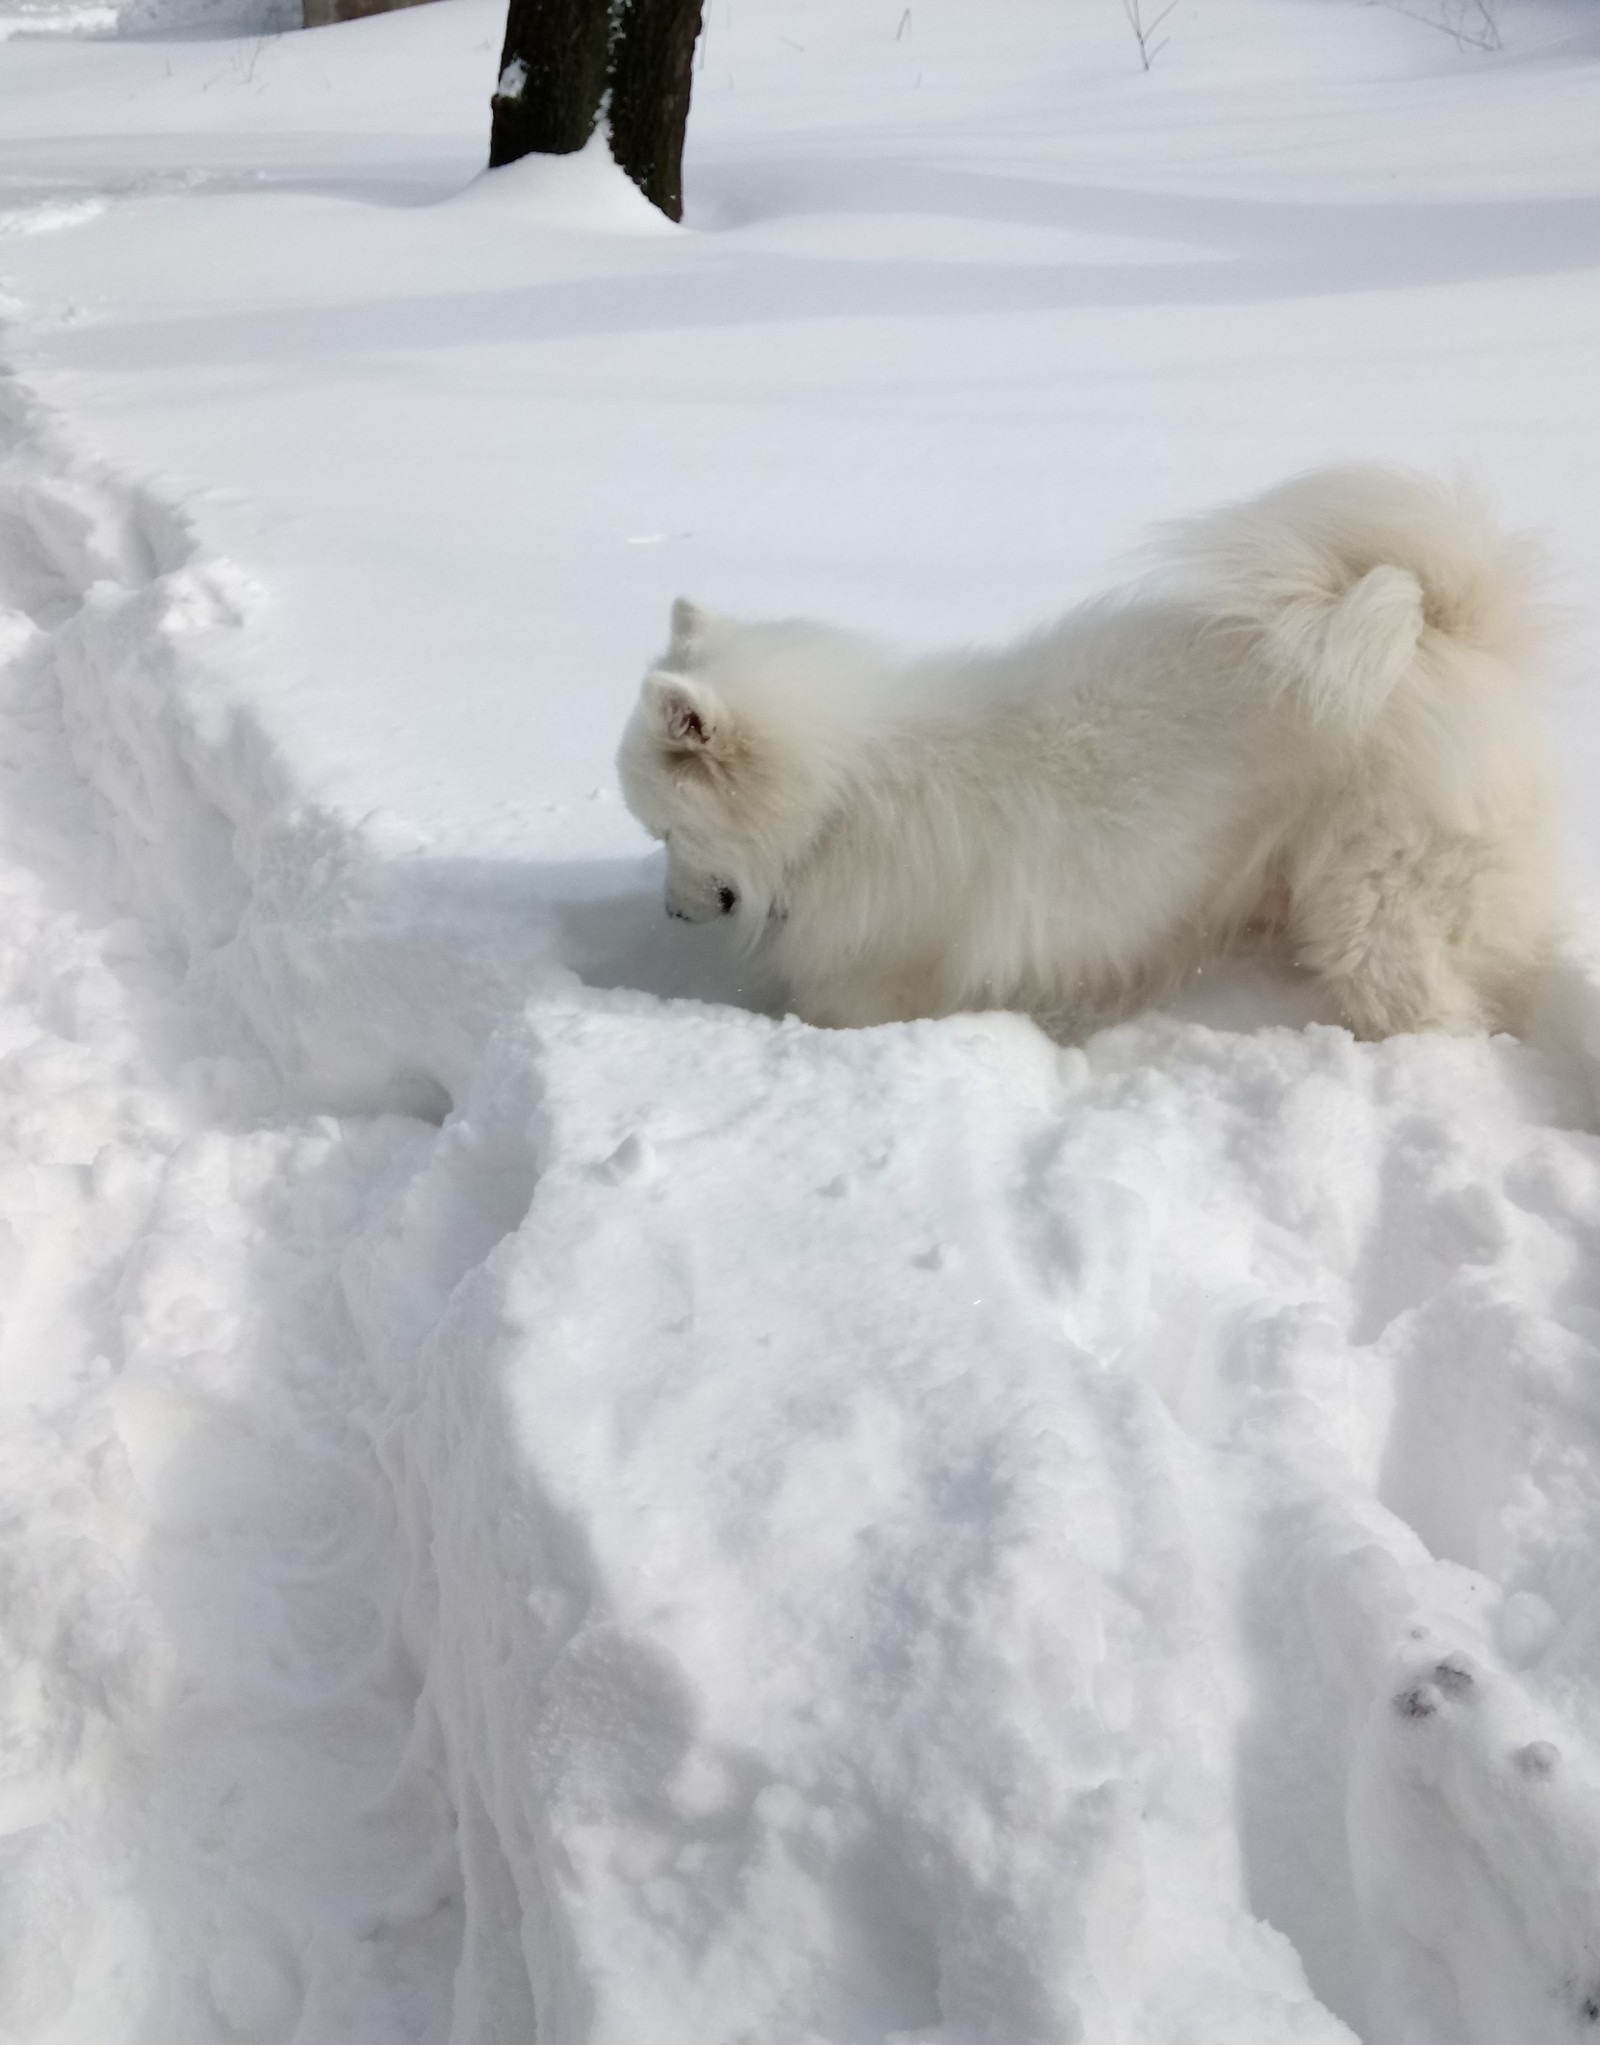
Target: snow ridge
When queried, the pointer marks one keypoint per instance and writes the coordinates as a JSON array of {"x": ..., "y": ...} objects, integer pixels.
[
  {"x": 1146, "y": 1593},
  {"x": 365, "y": 988},
  {"x": 223, "y": 1803}
]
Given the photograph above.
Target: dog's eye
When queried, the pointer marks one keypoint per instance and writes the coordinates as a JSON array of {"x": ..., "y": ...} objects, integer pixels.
[{"x": 728, "y": 899}]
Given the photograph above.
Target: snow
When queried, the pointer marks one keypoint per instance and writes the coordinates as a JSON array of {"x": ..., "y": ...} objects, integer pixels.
[{"x": 538, "y": 1497}]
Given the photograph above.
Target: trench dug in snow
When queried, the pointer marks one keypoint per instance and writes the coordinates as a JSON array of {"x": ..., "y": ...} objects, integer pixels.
[{"x": 537, "y": 1511}]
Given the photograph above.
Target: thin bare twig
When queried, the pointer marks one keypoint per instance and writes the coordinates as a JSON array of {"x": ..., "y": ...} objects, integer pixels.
[
  {"x": 1144, "y": 32},
  {"x": 1470, "y": 24}
]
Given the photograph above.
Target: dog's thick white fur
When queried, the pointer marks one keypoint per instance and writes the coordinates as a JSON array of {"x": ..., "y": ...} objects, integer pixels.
[{"x": 1315, "y": 714}]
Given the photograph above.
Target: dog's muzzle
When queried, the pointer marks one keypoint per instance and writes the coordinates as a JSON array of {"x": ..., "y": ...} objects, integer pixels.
[{"x": 699, "y": 897}]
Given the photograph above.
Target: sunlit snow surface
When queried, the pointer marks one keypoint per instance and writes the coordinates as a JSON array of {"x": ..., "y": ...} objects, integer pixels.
[{"x": 539, "y": 1499}]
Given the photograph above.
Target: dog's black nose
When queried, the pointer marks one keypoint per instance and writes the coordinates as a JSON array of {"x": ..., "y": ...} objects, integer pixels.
[{"x": 728, "y": 899}]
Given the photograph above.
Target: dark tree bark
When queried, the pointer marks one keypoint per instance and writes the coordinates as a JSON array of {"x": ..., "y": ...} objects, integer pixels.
[
  {"x": 652, "y": 69},
  {"x": 562, "y": 58},
  {"x": 552, "y": 78}
]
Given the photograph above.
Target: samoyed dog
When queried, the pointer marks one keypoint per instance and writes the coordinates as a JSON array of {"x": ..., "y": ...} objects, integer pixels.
[{"x": 1314, "y": 714}]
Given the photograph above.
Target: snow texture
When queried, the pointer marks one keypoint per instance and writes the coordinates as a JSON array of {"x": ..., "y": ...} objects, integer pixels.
[{"x": 539, "y": 1499}]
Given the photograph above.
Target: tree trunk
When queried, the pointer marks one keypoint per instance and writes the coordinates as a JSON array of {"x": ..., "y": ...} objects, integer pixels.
[
  {"x": 552, "y": 78},
  {"x": 652, "y": 69},
  {"x": 562, "y": 57}
]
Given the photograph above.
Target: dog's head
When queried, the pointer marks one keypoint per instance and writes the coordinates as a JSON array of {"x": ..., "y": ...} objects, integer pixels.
[
  {"x": 679, "y": 764},
  {"x": 715, "y": 763}
]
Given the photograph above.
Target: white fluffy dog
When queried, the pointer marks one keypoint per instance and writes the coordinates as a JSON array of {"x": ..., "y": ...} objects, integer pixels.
[{"x": 1315, "y": 716}]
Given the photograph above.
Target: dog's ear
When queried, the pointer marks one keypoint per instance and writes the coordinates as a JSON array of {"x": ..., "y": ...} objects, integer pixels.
[
  {"x": 695, "y": 630},
  {"x": 689, "y": 717}
]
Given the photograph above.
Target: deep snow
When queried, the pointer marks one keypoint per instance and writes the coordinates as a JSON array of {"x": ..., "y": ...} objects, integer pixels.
[{"x": 539, "y": 1498}]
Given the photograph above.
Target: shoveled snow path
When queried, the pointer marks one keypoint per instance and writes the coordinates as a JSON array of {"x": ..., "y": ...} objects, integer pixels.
[{"x": 743, "y": 1533}]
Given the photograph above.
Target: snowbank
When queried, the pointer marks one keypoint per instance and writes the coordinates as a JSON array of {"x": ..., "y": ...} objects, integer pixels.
[{"x": 147, "y": 17}]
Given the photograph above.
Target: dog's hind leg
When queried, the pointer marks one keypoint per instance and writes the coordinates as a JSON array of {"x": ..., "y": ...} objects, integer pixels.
[{"x": 1378, "y": 922}]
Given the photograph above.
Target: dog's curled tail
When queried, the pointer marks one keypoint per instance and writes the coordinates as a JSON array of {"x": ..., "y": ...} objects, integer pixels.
[{"x": 1353, "y": 574}]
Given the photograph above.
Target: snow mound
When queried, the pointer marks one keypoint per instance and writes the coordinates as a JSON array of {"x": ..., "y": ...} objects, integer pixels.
[
  {"x": 57, "y": 17},
  {"x": 146, "y": 17},
  {"x": 585, "y": 192}
]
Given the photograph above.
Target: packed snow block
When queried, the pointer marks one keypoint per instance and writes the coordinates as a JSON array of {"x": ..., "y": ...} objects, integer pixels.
[
  {"x": 814, "y": 1627},
  {"x": 884, "y": 1573}
]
